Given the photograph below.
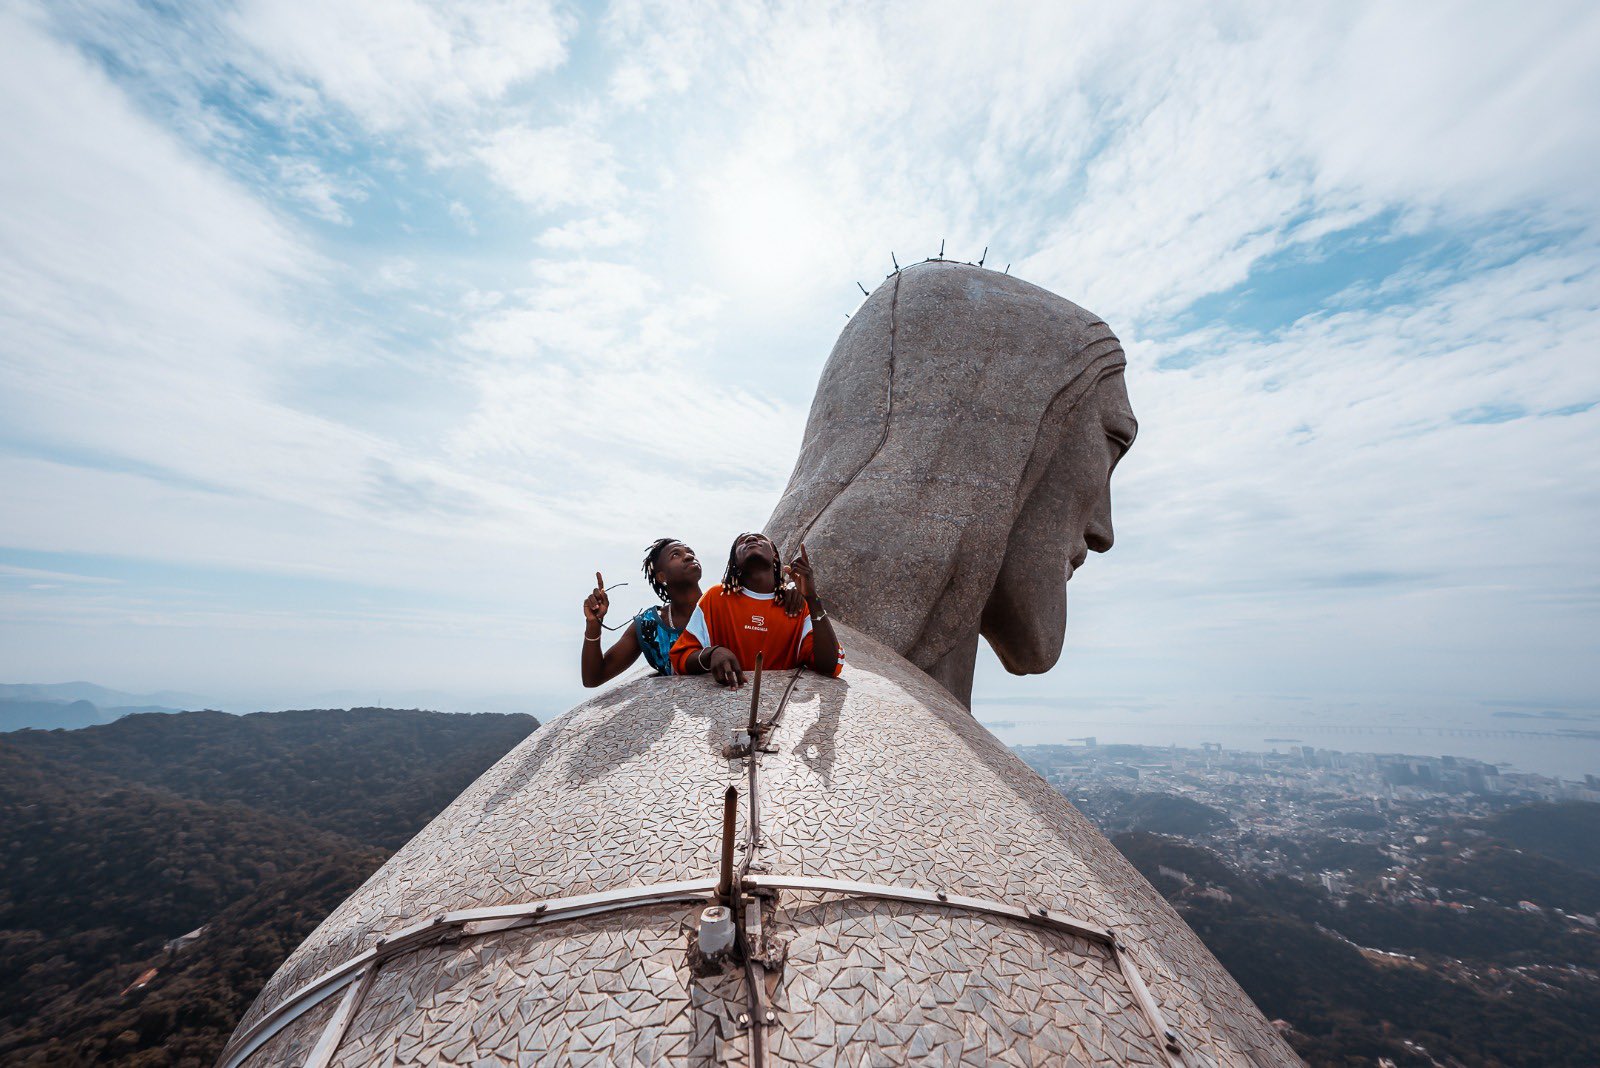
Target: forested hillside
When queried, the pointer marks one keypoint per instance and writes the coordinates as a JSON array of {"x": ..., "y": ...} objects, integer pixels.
[
  {"x": 115, "y": 840},
  {"x": 1362, "y": 978},
  {"x": 375, "y": 774}
]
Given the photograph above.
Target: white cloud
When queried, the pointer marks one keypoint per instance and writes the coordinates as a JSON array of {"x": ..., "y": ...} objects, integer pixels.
[
  {"x": 56, "y": 577},
  {"x": 397, "y": 273},
  {"x": 606, "y": 230},
  {"x": 398, "y": 63},
  {"x": 551, "y": 167},
  {"x": 660, "y": 45},
  {"x": 303, "y": 180},
  {"x": 1315, "y": 501},
  {"x": 126, "y": 238},
  {"x": 463, "y": 217},
  {"x": 588, "y": 379},
  {"x": 1334, "y": 115},
  {"x": 592, "y": 313},
  {"x": 155, "y": 315}
]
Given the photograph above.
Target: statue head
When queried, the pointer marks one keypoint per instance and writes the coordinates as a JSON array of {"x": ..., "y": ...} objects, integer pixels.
[{"x": 956, "y": 466}]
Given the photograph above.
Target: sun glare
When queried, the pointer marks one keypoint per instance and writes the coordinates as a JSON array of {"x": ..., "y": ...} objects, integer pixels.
[{"x": 768, "y": 232}]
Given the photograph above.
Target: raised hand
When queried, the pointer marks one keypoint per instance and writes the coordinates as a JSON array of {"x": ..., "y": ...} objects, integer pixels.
[
  {"x": 799, "y": 569},
  {"x": 598, "y": 603},
  {"x": 788, "y": 598}
]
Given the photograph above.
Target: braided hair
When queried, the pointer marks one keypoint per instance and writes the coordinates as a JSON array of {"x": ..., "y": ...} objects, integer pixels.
[
  {"x": 732, "y": 580},
  {"x": 650, "y": 572}
]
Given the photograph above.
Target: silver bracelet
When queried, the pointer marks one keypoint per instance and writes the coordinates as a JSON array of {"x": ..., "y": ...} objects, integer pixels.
[
  {"x": 589, "y": 639},
  {"x": 702, "y": 657}
]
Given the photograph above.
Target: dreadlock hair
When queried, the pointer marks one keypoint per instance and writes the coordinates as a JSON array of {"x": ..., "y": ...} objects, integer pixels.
[
  {"x": 650, "y": 555},
  {"x": 732, "y": 579}
]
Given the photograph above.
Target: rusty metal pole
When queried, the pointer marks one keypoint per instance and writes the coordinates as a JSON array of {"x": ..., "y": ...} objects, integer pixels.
[
  {"x": 730, "y": 816},
  {"x": 755, "y": 704}
]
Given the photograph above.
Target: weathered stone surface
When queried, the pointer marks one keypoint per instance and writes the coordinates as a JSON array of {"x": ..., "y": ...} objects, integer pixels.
[
  {"x": 956, "y": 466},
  {"x": 881, "y": 776}
]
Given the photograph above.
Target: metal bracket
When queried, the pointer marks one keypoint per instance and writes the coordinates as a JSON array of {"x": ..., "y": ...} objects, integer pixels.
[
  {"x": 328, "y": 1042},
  {"x": 1166, "y": 1038},
  {"x": 1036, "y": 915}
]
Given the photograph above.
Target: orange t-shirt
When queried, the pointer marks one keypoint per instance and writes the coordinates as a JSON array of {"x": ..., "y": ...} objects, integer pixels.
[{"x": 748, "y": 623}]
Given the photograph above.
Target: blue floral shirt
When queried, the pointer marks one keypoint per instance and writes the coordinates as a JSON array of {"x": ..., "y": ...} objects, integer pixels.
[{"x": 656, "y": 638}]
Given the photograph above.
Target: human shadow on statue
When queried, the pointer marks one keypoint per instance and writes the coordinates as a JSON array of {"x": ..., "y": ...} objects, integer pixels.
[
  {"x": 816, "y": 747},
  {"x": 635, "y": 717},
  {"x": 620, "y": 725}
]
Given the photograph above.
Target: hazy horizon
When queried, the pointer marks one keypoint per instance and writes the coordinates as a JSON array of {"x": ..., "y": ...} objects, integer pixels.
[{"x": 1525, "y": 736}]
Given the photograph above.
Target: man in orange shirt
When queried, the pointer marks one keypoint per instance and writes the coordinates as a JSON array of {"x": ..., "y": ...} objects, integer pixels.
[{"x": 738, "y": 619}]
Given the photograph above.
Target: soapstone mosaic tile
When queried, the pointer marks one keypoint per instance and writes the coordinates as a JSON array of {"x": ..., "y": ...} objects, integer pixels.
[
  {"x": 292, "y": 1044},
  {"x": 879, "y": 776},
  {"x": 611, "y": 990},
  {"x": 924, "y": 985}
]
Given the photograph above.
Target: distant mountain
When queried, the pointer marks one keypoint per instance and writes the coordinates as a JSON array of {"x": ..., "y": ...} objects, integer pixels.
[
  {"x": 104, "y": 697},
  {"x": 117, "y": 839},
  {"x": 49, "y": 715},
  {"x": 70, "y": 705},
  {"x": 435, "y": 699}
]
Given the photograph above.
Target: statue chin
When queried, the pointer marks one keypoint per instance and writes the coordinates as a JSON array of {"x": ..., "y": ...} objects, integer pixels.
[{"x": 1025, "y": 624}]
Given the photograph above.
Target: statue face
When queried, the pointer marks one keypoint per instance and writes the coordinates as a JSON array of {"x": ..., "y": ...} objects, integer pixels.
[
  {"x": 955, "y": 467},
  {"x": 1067, "y": 514}
]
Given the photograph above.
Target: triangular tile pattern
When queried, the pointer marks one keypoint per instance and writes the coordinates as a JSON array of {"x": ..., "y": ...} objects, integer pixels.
[
  {"x": 292, "y": 1044},
  {"x": 880, "y": 777}
]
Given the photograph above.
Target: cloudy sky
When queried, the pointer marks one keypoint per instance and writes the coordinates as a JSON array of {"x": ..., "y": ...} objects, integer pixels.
[{"x": 343, "y": 340}]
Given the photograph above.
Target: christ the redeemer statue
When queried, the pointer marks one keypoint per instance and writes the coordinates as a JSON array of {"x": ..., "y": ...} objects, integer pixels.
[{"x": 867, "y": 876}]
